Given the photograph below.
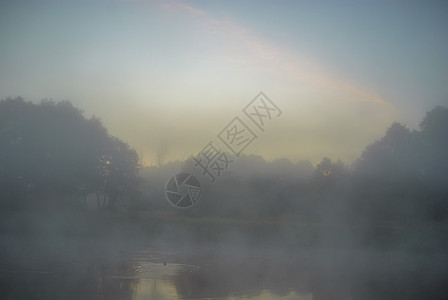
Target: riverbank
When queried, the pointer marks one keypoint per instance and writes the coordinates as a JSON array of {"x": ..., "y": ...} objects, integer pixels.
[{"x": 287, "y": 232}]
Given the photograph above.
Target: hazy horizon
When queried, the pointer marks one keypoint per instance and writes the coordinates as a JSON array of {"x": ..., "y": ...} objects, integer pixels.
[{"x": 180, "y": 71}]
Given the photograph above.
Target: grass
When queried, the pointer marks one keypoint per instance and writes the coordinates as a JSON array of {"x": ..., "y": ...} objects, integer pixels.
[{"x": 287, "y": 231}]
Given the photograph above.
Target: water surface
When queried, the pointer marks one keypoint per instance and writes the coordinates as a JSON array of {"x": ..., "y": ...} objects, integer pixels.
[{"x": 221, "y": 272}]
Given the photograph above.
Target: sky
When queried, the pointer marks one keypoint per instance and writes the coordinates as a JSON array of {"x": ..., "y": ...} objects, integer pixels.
[{"x": 177, "y": 72}]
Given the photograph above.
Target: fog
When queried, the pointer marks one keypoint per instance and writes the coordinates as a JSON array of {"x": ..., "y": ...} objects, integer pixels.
[
  {"x": 190, "y": 149},
  {"x": 83, "y": 218}
]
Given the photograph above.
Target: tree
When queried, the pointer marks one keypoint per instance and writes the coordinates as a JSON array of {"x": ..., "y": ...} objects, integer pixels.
[
  {"x": 325, "y": 168},
  {"x": 162, "y": 152},
  {"x": 435, "y": 124},
  {"x": 389, "y": 154},
  {"x": 121, "y": 177},
  {"x": 53, "y": 148}
]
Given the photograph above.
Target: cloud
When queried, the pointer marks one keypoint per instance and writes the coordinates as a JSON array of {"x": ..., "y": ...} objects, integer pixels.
[
  {"x": 182, "y": 7},
  {"x": 240, "y": 46}
]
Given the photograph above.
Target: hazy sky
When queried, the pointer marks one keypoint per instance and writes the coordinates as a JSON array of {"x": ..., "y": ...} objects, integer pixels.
[{"x": 179, "y": 71}]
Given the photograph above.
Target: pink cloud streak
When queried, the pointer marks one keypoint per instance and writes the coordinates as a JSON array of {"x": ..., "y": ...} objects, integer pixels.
[{"x": 243, "y": 47}]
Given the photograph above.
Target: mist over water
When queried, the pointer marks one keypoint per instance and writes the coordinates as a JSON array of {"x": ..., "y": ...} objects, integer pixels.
[
  {"x": 263, "y": 230},
  {"x": 92, "y": 223},
  {"x": 223, "y": 150},
  {"x": 124, "y": 264}
]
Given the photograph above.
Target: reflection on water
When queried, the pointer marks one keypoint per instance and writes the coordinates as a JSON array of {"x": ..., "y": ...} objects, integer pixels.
[{"x": 218, "y": 273}]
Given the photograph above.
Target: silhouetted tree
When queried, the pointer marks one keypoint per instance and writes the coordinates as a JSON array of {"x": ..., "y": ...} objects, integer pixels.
[
  {"x": 53, "y": 150},
  {"x": 325, "y": 167}
]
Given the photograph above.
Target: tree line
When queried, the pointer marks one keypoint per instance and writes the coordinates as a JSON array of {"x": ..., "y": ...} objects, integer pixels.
[
  {"x": 50, "y": 153},
  {"x": 402, "y": 176}
]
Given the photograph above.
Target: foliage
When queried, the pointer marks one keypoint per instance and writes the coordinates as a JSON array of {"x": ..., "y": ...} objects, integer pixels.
[
  {"x": 400, "y": 177},
  {"x": 50, "y": 150}
]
